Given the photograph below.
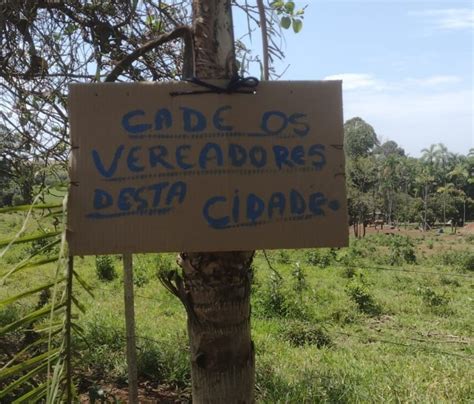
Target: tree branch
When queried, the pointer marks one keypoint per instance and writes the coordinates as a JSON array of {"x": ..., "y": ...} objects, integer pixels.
[
  {"x": 263, "y": 27},
  {"x": 181, "y": 32}
]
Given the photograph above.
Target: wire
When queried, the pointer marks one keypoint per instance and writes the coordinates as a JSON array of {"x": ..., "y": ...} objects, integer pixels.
[
  {"x": 385, "y": 341},
  {"x": 406, "y": 271}
]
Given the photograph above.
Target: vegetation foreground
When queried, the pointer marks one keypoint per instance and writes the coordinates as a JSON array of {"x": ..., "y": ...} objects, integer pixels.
[{"x": 388, "y": 319}]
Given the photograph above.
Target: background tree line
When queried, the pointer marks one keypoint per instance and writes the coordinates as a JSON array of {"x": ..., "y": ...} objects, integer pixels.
[
  {"x": 47, "y": 45},
  {"x": 384, "y": 183}
]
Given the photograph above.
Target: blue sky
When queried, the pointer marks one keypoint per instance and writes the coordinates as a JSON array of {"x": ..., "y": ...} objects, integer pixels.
[{"x": 407, "y": 66}]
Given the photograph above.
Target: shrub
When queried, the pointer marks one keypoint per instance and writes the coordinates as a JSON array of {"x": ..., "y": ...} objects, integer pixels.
[
  {"x": 104, "y": 267},
  {"x": 283, "y": 257},
  {"x": 466, "y": 261},
  {"x": 273, "y": 300},
  {"x": 17, "y": 200},
  {"x": 322, "y": 257},
  {"x": 446, "y": 280},
  {"x": 300, "y": 333},
  {"x": 150, "y": 361},
  {"x": 9, "y": 314},
  {"x": 462, "y": 260},
  {"x": 432, "y": 298},
  {"x": 360, "y": 294},
  {"x": 40, "y": 244},
  {"x": 349, "y": 271},
  {"x": 350, "y": 256},
  {"x": 15, "y": 254},
  {"x": 140, "y": 276},
  {"x": 401, "y": 250},
  {"x": 164, "y": 263},
  {"x": 299, "y": 279}
]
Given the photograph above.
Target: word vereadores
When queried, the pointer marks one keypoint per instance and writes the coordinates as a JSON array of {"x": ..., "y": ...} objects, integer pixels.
[{"x": 141, "y": 159}]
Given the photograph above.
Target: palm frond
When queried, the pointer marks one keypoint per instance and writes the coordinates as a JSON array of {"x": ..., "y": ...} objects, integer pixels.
[{"x": 41, "y": 370}]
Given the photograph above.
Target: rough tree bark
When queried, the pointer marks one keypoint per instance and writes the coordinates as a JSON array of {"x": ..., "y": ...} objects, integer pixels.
[{"x": 216, "y": 286}]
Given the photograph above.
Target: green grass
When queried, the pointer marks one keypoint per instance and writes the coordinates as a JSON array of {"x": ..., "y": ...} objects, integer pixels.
[{"x": 342, "y": 326}]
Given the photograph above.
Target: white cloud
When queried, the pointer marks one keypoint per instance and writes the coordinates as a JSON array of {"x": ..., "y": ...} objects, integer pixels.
[
  {"x": 416, "y": 119},
  {"x": 368, "y": 82},
  {"x": 449, "y": 18},
  {"x": 356, "y": 81},
  {"x": 415, "y": 112},
  {"x": 435, "y": 81}
]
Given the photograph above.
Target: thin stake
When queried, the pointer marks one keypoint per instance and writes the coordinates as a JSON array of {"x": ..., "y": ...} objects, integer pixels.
[
  {"x": 130, "y": 328},
  {"x": 70, "y": 270}
]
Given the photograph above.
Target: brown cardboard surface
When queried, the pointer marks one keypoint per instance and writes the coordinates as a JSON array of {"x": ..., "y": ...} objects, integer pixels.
[{"x": 246, "y": 171}]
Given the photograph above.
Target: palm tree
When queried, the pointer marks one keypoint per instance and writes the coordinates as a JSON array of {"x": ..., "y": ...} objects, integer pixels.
[
  {"x": 461, "y": 177},
  {"x": 429, "y": 155},
  {"x": 424, "y": 179}
]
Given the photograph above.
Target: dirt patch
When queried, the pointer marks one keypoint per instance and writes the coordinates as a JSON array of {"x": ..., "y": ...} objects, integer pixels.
[
  {"x": 467, "y": 229},
  {"x": 412, "y": 232},
  {"x": 148, "y": 393}
]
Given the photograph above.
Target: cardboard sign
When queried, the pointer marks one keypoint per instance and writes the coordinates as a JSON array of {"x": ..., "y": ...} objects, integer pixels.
[{"x": 155, "y": 172}]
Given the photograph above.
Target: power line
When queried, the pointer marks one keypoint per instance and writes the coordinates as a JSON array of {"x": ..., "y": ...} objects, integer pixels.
[
  {"x": 407, "y": 271},
  {"x": 415, "y": 347}
]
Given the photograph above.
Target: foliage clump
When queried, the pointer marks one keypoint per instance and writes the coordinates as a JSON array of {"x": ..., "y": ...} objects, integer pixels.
[
  {"x": 322, "y": 257},
  {"x": 360, "y": 294},
  {"x": 277, "y": 299},
  {"x": 300, "y": 333},
  {"x": 432, "y": 298},
  {"x": 402, "y": 250},
  {"x": 104, "y": 267},
  {"x": 283, "y": 257},
  {"x": 461, "y": 260}
]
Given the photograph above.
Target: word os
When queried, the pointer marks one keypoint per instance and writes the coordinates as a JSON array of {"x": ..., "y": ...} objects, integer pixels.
[
  {"x": 221, "y": 212},
  {"x": 272, "y": 123}
]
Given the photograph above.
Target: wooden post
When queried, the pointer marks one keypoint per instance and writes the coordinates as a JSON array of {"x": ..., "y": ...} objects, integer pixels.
[
  {"x": 70, "y": 270},
  {"x": 130, "y": 329}
]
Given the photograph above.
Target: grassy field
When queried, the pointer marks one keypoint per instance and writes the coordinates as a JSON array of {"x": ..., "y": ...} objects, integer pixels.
[{"x": 388, "y": 319}]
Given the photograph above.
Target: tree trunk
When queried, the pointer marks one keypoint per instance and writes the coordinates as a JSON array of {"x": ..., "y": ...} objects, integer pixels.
[
  {"x": 425, "y": 202},
  {"x": 216, "y": 286},
  {"x": 444, "y": 206},
  {"x": 464, "y": 213}
]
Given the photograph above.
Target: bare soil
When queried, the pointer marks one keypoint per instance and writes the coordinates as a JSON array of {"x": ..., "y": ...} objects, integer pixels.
[{"x": 148, "y": 393}]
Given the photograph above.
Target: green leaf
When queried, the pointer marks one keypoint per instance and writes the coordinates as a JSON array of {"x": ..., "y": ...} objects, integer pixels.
[
  {"x": 277, "y": 4},
  {"x": 27, "y": 239},
  {"x": 27, "y": 364},
  {"x": 29, "y": 318},
  {"x": 297, "y": 25},
  {"x": 28, "y": 293},
  {"x": 34, "y": 395},
  {"x": 79, "y": 305},
  {"x": 21, "y": 208},
  {"x": 19, "y": 356},
  {"x": 290, "y": 7},
  {"x": 28, "y": 262},
  {"x": 88, "y": 288},
  {"x": 22, "y": 379},
  {"x": 70, "y": 28},
  {"x": 285, "y": 23}
]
